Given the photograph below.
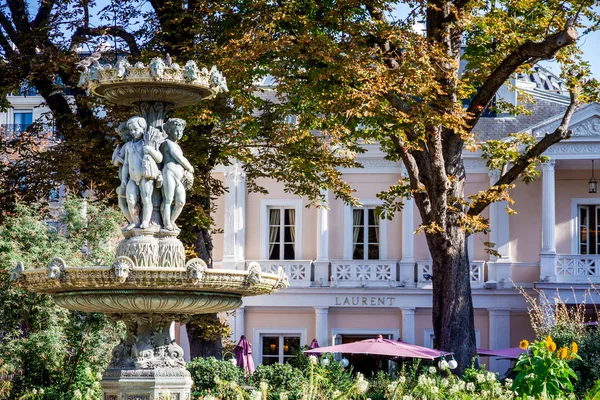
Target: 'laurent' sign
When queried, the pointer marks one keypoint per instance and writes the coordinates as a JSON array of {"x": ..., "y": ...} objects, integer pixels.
[{"x": 363, "y": 301}]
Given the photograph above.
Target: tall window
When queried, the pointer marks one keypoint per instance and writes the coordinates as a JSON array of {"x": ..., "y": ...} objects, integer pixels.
[
  {"x": 589, "y": 229},
  {"x": 279, "y": 348},
  {"x": 365, "y": 230},
  {"x": 22, "y": 120},
  {"x": 282, "y": 233}
]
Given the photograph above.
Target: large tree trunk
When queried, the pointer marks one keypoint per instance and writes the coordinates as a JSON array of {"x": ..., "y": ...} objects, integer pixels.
[{"x": 453, "y": 323}]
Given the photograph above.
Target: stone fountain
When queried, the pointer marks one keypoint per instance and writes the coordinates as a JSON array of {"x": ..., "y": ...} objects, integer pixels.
[{"x": 149, "y": 284}]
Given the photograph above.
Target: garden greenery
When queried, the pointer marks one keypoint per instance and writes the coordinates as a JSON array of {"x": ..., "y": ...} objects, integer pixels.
[{"x": 48, "y": 352}]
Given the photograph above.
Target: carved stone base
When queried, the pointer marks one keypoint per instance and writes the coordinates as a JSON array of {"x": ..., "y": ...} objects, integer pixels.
[
  {"x": 153, "y": 384},
  {"x": 152, "y": 248},
  {"x": 147, "y": 364}
]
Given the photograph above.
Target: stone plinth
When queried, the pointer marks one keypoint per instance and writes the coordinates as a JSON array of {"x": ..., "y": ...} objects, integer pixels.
[{"x": 150, "y": 248}]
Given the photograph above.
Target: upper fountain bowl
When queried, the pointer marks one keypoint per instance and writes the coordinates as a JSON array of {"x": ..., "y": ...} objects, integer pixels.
[{"x": 161, "y": 80}]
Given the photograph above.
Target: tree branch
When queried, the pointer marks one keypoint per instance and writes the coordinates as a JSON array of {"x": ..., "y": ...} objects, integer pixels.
[
  {"x": 80, "y": 35},
  {"x": 43, "y": 13},
  {"x": 7, "y": 26},
  {"x": 523, "y": 162},
  {"x": 5, "y": 44},
  {"x": 526, "y": 52},
  {"x": 18, "y": 10}
]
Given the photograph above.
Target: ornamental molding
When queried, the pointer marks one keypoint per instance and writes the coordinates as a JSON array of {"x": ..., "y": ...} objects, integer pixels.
[{"x": 574, "y": 149}]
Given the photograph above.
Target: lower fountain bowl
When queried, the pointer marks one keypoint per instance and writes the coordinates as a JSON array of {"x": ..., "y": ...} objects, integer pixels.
[{"x": 148, "y": 301}]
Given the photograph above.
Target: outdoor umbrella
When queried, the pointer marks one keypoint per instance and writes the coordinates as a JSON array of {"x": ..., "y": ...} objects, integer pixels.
[
  {"x": 243, "y": 355},
  {"x": 510, "y": 354},
  {"x": 382, "y": 347},
  {"x": 314, "y": 345}
]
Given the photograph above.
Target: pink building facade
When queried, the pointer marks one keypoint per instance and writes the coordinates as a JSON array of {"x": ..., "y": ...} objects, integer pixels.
[{"x": 353, "y": 276}]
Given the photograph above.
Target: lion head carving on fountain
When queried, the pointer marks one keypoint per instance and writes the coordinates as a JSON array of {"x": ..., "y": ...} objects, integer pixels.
[
  {"x": 56, "y": 268},
  {"x": 122, "y": 267},
  {"x": 196, "y": 270}
]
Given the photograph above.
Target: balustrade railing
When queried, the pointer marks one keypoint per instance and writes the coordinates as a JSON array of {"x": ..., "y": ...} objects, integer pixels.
[
  {"x": 425, "y": 273},
  {"x": 364, "y": 273},
  {"x": 575, "y": 267},
  {"x": 299, "y": 272}
]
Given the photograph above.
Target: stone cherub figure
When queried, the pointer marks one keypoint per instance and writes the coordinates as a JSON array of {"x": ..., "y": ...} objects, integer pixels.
[
  {"x": 118, "y": 159},
  {"x": 140, "y": 169},
  {"x": 177, "y": 173}
]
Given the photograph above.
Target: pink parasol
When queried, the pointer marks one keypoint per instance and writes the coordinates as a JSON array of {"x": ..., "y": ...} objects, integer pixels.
[
  {"x": 510, "y": 354},
  {"x": 314, "y": 345},
  {"x": 243, "y": 355},
  {"x": 383, "y": 347}
]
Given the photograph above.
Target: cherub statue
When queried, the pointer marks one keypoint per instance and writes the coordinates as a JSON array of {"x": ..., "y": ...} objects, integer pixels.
[
  {"x": 121, "y": 67},
  {"x": 177, "y": 173},
  {"x": 190, "y": 71},
  {"x": 118, "y": 159},
  {"x": 157, "y": 68},
  {"x": 140, "y": 169}
]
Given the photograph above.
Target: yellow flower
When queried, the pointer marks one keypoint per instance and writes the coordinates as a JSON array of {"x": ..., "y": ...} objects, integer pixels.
[
  {"x": 524, "y": 344},
  {"x": 574, "y": 348},
  {"x": 563, "y": 352},
  {"x": 551, "y": 346},
  {"x": 549, "y": 340}
]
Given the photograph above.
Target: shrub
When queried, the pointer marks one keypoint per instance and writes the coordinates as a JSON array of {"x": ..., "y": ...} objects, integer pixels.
[
  {"x": 207, "y": 374},
  {"x": 282, "y": 378}
]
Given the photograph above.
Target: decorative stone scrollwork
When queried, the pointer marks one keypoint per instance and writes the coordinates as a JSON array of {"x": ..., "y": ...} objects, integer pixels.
[
  {"x": 283, "y": 281},
  {"x": 56, "y": 268},
  {"x": 196, "y": 270},
  {"x": 254, "y": 272},
  {"x": 122, "y": 266},
  {"x": 17, "y": 273}
]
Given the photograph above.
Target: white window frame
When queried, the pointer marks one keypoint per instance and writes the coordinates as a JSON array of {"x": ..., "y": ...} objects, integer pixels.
[
  {"x": 575, "y": 203},
  {"x": 428, "y": 338},
  {"x": 265, "y": 204},
  {"x": 258, "y": 333},
  {"x": 349, "y": 229}
]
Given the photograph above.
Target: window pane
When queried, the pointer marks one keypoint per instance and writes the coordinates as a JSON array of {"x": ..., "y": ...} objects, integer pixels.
[
  {"x": 374, "y": 234},
  {"x": 270, "y": 360},
  {"x": 274, "y": 233},
  {"x": 288, "y": 234},
  {"x": 373, "y": 252},
  {"x": 274, "y": 254},
  {"x": 358, "y": 234},
  {"x": 373, "y": 219},
  {"x": 358, "y": 217},
  {"x": 288, "y": 252},
  {"x": 583, "y": 231},
  {"x": 270, "y": 346},
  {"x": 359, "y": 252},
  {"x": 289, "y": 216},
  {"x": 290, "y": 345}
]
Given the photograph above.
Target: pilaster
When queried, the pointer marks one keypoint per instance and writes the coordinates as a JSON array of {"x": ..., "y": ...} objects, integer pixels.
[
  {"x": 407, "y": 263},
  {"x": 235, "y": 217},
  {"x": 321, "y": 325},
  {"x": 408, "y": 324},
  {"x": 499, "y": 327},
  {"x": 499, "y": 267},
  {"x": 321, "y": 264},
  {"x": 548, "y": 254}
]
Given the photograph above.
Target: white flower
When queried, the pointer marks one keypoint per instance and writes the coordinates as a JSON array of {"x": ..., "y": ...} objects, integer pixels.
[
  {"x": 444, "y": 365},
  {"x": 470, "y": 387},
  {"x": 454, "y": 389},
  {"x": 484, "y": 393},
  {"x": 335, "y": 394},
  {"x": 432, "y": 370},
  {"x": 480, "y": 378},
  {"x": 461, "y": 385},
  {"x": 361, "y": 384},
  {"x": 42, "y": 391},
  {"x": 435, "y": 389},
  {"x": 391, "y": 388},
  {"x": 422, "y": 380},
  {"x": 508, "y": 383},
  {"x": 312, "y": 359},
  {"x": 445, "y": 382},
  {"x": 255, "y": 395},
  {"x": 284, "y": 396},
  {"x": 263, "y": 386},
  {"x": 407, "y": 397},
  {"x": 402, "y": 379},
  {"x": 490, "y": 376},
  {"x": 34, "y": 391},
  {"x": 77, "y": 394}
]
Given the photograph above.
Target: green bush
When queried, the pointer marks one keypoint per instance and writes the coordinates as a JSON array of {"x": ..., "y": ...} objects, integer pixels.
[
  {"x": 281, "y": 378},
  {"x": 208, "y": 372}
]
